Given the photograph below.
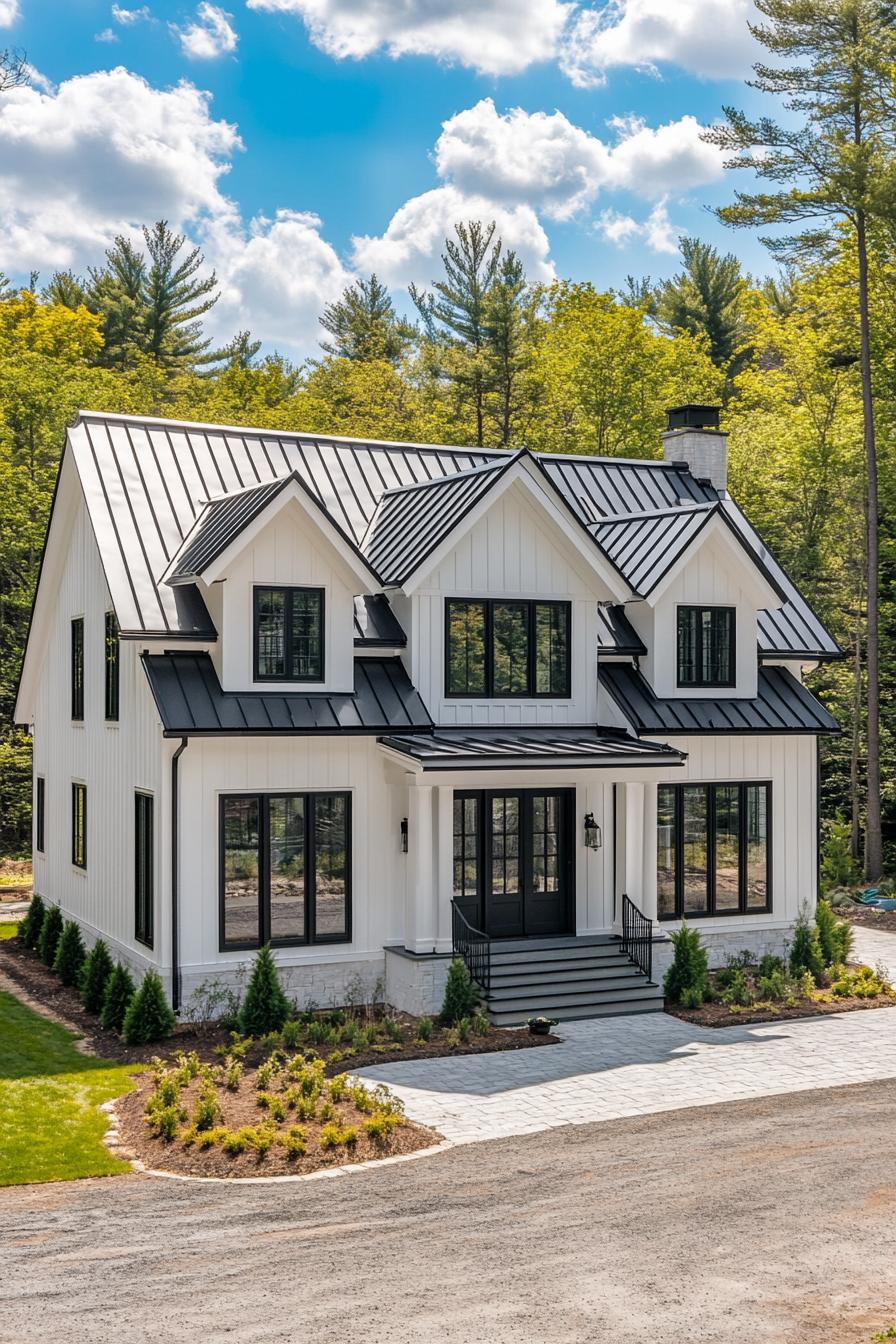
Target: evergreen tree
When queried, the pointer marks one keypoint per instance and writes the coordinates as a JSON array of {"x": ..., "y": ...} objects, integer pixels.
[
  {"x": 118, "y": 294},
  {"x": 834, "y": 163},
  {"x": 66, "y": 288},
  {"x": 687, "y": 979},
  {"x": 461, "y": 997},
  {"x": 241, "y": 351},
  {"x": 70, "y": 954},
  {"x": 177, "y": 298},
  {"x": 116, "y": 998},
  {"x": 704, "y": 299},
  {"x": 95, "y": 976},
  {"x": 29, "y": 929},
  {"x": 455, "y": 314},
  {"x": 266, "y": 1007},
  {"x": 509, "y": 318},
  {"x": 363, "y": 325},
  {"x": 50, "y": 933},
  {"x": 805, "y": 950},
  {"x": 148, "y": 1017}
]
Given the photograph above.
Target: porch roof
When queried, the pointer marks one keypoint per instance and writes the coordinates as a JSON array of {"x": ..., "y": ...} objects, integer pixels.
[{"x": 528, "y": 748}]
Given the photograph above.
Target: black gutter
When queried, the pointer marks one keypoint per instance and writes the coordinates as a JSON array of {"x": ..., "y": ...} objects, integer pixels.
[{"x": 175, "y": 878}]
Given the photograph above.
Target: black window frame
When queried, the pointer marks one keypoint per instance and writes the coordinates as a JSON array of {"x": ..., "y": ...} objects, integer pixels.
[
  {"x": 112, "y": 668},
  {"x": 530, "y": 605},
  {"x": 742, "y": 785},
  {"x": 77, "y": 669},
  {"x": 40, "y": 813},
  {"x": 310, "y": 939},
  {"x": 288, "y": 616},
  {"x": 144, "y": 867},
  {"x": 79, "y": 841},
  {"x": 699, "y": 683}
]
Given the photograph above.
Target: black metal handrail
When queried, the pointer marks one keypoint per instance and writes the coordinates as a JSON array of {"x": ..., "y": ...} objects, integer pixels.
[
  {"x": 474, "y": 946},
  {"x": 637, "y": 936}
]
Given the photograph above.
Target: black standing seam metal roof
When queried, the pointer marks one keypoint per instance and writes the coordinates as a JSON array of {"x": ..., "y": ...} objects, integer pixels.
[
  {"x": 191, "y": 702},
  {"x": 781, "y": 705},
  {"x": 376, "y": 625},
  {"x": 616, "y": 634},
  {"x": 146, "y": 481},
  {"x": 447, "y": 749}
]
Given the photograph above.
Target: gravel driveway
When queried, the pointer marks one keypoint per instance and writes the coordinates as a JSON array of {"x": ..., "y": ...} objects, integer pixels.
[{"x": 765, "y": 1220}]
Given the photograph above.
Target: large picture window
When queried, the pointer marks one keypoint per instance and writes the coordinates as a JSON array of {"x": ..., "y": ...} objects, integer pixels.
[
  {"x": 288, "y": 634},
  {"x": 79, "y": 825},
  {"x": 144, "y": 883},
  {"x": 285, "y": 869},
  {"x": 497, "y": 649},
  {"x": 111, "y": 661},
  {"x": 706, "y": 646},
  {"x": 77, "y": 654},
  {"x": 713, "y": 850}
]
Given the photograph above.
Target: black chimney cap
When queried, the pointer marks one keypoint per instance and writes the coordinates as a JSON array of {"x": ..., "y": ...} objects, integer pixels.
[{"x": 692, "y": 417}]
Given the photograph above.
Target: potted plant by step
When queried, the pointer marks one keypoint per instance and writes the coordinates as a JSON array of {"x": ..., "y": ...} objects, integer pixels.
[{"x": 541, "y": 1026}]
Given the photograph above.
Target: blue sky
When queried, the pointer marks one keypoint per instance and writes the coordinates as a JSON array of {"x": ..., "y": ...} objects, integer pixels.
[{"x": 301, "y": 142}]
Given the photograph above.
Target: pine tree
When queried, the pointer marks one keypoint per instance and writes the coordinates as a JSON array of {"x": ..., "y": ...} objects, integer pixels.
[
  {"x": 117, "y": 996},
  {"x": 687, "y": 979},
  {"x": 364, "y": 326},
  {"x": 176, "y": 301},
  {"x": 50, "y": 933},
  {"x": 95, "y": 976},
  {"x": 66, "y": 288},
  {"x": 241, "y": 351},
  {"x": 461, "y": 997},
  {"x": 70, "y": 954},
  {"x": 29, "y": 929},
  {"x": 148, "y": 1017},
  {"x": 834, "y": 163},
  {"x": 117, "y": 293},
  {"x": 266, "y": 1007},
  {"x": 805, "y": 950},
  {"x": 510, "y": 325},
  {"x": 704, "y": 299}
]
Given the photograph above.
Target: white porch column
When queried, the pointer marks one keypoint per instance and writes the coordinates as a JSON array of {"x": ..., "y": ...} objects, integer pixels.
[
  {"x": 420, "y": 913},
  {"x": 444, "y": 885},
  {"x": 647, "y": 903},
  {"x": 633, "y": 885}
]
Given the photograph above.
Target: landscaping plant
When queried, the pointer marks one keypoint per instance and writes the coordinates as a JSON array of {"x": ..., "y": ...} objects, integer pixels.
[
  {"x": 461, "y": 998},
  {"x": 805, "y": 951},
  {"x": 70, "y": 954},
  {"x": 266, "y": 1007},
  {"x": 148, "y": 1017},
  {"x": 834, "y": 935},
  {"x": 50, "y": 933},
  {"x": 29, "y": 929},
  {"x": 118, "y": 994},
  {"x": 95, "y": 976},
  {"x": 687, "y": 979}
]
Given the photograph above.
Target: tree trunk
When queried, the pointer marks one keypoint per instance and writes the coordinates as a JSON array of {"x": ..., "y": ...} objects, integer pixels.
[
  {"x": 873, "y": 854},
  {"x": 855, "y": 834}
]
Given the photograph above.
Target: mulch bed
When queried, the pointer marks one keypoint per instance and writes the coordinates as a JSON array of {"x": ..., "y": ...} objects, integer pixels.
[
  {"x": 867, "y": 916},
  {"x": 26, "y": 969},
  {"x": 720, "y": 1015}
]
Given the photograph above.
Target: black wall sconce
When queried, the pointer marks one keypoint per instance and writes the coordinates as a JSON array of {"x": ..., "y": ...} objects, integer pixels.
[
  {"x": 593, "y": 837},
  {"x": 404, "y": 835}
]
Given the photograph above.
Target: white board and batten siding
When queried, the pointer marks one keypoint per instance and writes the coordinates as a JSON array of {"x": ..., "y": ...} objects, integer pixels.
[{"x": 111, "y": 759}]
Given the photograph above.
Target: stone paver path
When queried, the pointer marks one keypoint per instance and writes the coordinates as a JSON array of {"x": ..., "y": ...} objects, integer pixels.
[{"x": 610, "y": 1068}]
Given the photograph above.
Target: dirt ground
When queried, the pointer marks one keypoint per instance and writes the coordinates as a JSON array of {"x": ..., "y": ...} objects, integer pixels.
[
  {"x": 762, "y": 1222},
  {"x": 867, "y": 916}
]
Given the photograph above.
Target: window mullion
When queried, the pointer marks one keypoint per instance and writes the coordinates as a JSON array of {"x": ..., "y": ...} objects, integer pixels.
[
  {"x": 264, "y": 870},
  {"x": 489, "y": 650}
]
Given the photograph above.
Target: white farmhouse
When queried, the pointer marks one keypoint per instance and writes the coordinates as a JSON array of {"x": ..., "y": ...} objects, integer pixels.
[{"x": 374, "y": 702}]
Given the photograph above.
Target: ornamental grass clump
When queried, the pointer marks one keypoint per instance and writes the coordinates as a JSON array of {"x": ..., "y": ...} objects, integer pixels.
[
  {"x": 95, "y": 976},
  {"x": 461, "y": 999},
  {"x": 266, "y": 1008},
  {"x": 687, "y": 979},
  {"x": 70, "y": 954},
  {"x": 29, "y": 929},
  {"x": 50, "y": 933},
  {"x": 148, "y": 1017}
]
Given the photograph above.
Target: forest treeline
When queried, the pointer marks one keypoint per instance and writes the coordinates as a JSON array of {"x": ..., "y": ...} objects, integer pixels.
[{"x": 488, "y": 358}]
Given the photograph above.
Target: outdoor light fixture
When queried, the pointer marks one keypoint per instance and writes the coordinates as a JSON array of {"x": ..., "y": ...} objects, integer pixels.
[
  {"x": 593, "y": 837},
  {"x": 404, "y": 835}
]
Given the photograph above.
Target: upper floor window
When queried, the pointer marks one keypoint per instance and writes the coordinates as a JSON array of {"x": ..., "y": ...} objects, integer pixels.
[
  {"x": 289, "y": 634},
  {"x": 79, "y": 825},
  {"x": 78, "y": 667},
  {"x": 111, "y": 652},
  {"x": 706, "y": 646},
  {"x": 499, "y": 648}
]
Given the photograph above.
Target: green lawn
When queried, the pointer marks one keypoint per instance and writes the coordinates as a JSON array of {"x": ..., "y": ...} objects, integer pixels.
[
  {"x": 50, "y": 1121},
  {"x": 8, "y": 930}
]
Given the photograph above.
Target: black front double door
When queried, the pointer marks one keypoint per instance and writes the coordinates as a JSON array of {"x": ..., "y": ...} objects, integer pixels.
[{"x": 513, "y": 861}]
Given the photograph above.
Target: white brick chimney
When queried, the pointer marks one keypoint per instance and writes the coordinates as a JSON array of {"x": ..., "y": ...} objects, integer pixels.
[{"x": 693, "y": 436}]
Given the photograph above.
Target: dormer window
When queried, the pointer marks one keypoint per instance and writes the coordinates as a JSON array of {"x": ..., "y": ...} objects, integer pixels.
[
  {"x": 497, "y": 649},
  {"x": 288, "y": 634},
  {"x": 706, "y": 646}
]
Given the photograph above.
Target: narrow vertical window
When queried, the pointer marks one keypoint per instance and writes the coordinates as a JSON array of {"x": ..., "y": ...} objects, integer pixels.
[
  {"x": 551, "y": 648},
  {"x": 331, "y": 830},
  {"x": 510, "y": 648},
  {"x": 757, "y": 846},
  {"x": 111, "y": 652},
  {"x": 77, "y": 652},
  {"x": 40, "y": 796},
  {"x": 144, "y": 891},
  {"x": 666, "y": 851},
  {"x": 240, "y": 871},
  {"x": 695, "y": 869},
  {"x": 79, "y": 825},
  {"x": 466, "y": 665}
]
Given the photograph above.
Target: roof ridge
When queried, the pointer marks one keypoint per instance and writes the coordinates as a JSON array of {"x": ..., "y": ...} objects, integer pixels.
[
  {"x": 481, "y": 469},
  {"x": 698, "y": 506}
]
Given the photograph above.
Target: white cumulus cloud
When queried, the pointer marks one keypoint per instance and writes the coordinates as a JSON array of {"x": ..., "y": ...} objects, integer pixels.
[
  {"x": 9, "y": 12},
  {"x": 496, "y": 37},
  {"x": 107, "y": 35},
  {"x": 657, "y": 230},
  {"x": 127, "y": 17},
  {"x": 209, "y": 36}
]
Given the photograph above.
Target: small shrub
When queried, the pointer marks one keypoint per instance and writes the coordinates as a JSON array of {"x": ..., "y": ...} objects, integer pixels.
[
  {"x": 266, "y": 1007},
  {"x": 261, "y": 1138},
  {"x": 30, "y": 927},
  {"x": 327, "y": 1112},
  {"x": 207, "y": 1138},
  {"x": 380, "y": 1126},
  {"x": 166, "y": 1091},
  {"x": 70, "y": 954},
  {"x": 50, "y": 933},
  {"x": 769, "y": 964},
  {"x": 95, "y": 976},
  {"x": 481, "y": 1024},
  {"x": 739, "y": 961},
  {"x": 338, "y": 1087},
  {"x": 364, "y": 1101},
  {"x": 277, "y": 1109},
  {"x": 211, "y": 1002},
  {"x": 291, "y": 1034},
  {"x": 232, "y": 1074},
  {"x": 462, "y": 1027},
  {"x": 265, "y": 1074},
  {"x": 424, "y": 1029},
  {"x": 805, "y": 951},
  {"x": 164, "y": 1121},
  {"x": 806, "y": 984},
  {"x": 338, "y": 1136},
  {"x": 295, "y": 1141},
  {"x": 461, "y": 998},
  {"x": 236, "y": 1141},
  {"x": 774, "y": 987},
  {"x": 207, "y": 1111},
  {"x": 452, "y": 1039},
  {"x": 835, "y": 936},
  {"x": 188, "y": 1067},
  {"x": 148, "y": 1016},
  {"x": 306, "y": 1108},
  {"x": 689, "y": 972},
  {"x": 117, "y": 996},
  {"x": 738, "y": 992}
]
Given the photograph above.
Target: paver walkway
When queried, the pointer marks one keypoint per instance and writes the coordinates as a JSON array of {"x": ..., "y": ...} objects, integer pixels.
[{"x": 609, "y": 1068}]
